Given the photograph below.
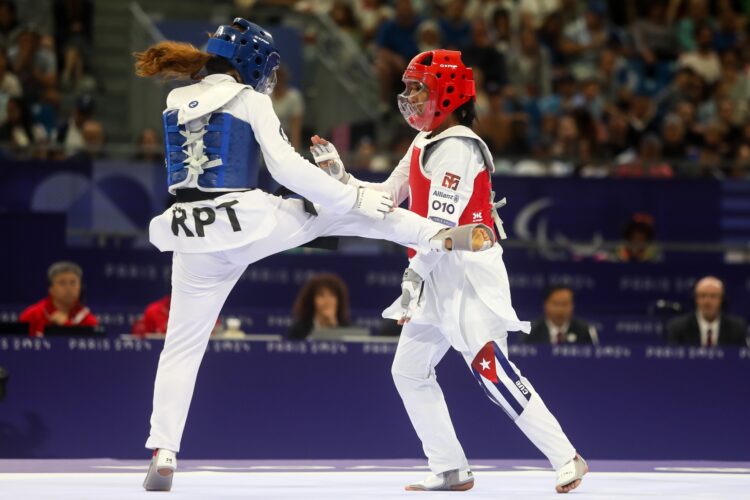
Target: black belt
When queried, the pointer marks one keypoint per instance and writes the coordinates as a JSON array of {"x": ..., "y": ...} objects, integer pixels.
[
  {"x": 287, "y": 193},
  {"x": 195, "y": 194},
  {"x": 323, "y": 242}
]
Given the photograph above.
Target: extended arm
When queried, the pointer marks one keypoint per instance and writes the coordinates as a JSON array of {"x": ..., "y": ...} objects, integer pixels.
[
  {"x": 397, "y": 184},
  {"x": 293, "y": 171}
]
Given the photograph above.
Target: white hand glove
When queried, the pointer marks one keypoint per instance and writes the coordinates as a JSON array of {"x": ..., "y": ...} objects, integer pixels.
[
  {"x": 327, "y": 158},
  {"x": 373, "y": 203},
  {"x": 411, "y": 291}
]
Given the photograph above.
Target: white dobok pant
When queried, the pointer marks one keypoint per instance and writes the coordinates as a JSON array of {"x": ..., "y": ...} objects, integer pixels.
[
  {"x": 201, "y": 283},
  {"x": 420, "y": 349}
]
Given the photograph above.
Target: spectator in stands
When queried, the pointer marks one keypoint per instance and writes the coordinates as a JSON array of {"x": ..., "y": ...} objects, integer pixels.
[
  {"x": 740, "y": 168},
  {"x": 729, "y": 31},
  {"x": 529, "y": 65},
  {"x": 428, "y": 36},
  {"x": 501, "y": 31},
  {"x": 642, "y": 118},
  {"x": 33, "y": 60},
  {"x": 18, "y": 131},
  {"x": 697, "y": 13},
  {"x": 10, "y": 86},
  {"x": 150, "y": 148},
  {"x": 714, "y": 140},
  {"x": 615, "y": 143},
  {"x": 704, "y": 60},
  {"x": 534, "y": 12},
  {"x": 542, "y": 163},
  {"x": 655, "y": 40},
  {"x": 686, "y": 85},
  {"x": 70, "y": 134},
  {"x": 551, "y": 37},
  {"x": 563, "y": 97},
  {"x": 518, "y": 145},
  {"x": 342, "y": 14},
  {"x": 63, "y": 306},
  {"x": 289, "y": 106},
  {"x": 322, "y": 303},
  {"x": 708, "y": 325},
  {"x": 154, "y": 319},
  {"x": 93, "y": 135},
  {"x": 44, "y": 114},
  {"x": 558, "y": 325},
  {"x": 674, "y": 146},
  {"x": 693, "y": 134},
  {"x": 648, "y": 162},
  {"x": 736, "y": 81},
  {"x": 10, "y": 28},
  {"x": 455, "y": 28},
  {"x": 370, "y": 15},
  {"x": 639, "y": 245},
  {"x": 494, "y": 123},
  {"x": 567, "y": 144},
  {"x": 591, "y": 98},
  {"x": 481, "y": 54},
  {"x": 584, "y": 40},
  {"x": 725, "y": 114},
  {"x": 74, "y": 26},
  {"x": 397, "y": 45}
]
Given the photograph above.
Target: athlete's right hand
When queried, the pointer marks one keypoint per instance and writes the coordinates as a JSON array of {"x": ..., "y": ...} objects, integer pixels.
[
  {"x": 411, "y": 291},
  {"x": 325, "y": 155},
  {"x": 373, "y": 203}
]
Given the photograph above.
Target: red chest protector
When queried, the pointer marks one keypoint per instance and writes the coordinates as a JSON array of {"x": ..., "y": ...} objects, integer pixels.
[{"x": 478, "y": 210}]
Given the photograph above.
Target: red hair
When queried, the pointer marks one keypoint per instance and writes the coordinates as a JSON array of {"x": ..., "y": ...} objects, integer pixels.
[{"x": 170, "y": 60}]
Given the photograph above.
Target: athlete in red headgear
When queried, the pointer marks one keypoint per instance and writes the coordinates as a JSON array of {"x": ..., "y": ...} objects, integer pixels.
[{"x": 455, "y": 300}]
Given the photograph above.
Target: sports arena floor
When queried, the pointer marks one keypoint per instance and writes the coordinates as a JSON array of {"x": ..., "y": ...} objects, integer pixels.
[{"x": 106, "y": 479}]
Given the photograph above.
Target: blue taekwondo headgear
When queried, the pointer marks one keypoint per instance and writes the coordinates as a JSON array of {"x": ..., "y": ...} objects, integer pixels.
[{"x": 251, "y": 52}]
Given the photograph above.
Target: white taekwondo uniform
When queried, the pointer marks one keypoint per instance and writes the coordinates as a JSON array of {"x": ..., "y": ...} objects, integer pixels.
[
  {"x": 465, "y": 303},
  {"x": 215, "y": 131}
]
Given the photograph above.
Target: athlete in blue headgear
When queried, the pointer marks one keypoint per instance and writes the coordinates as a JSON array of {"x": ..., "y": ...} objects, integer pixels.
[{"x": 214, "y": 133}]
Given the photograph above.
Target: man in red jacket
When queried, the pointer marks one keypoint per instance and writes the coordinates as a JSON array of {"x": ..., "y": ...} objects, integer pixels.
[
  {"x": 62, "y": 306},
  {"x": 154, "y": 318}
]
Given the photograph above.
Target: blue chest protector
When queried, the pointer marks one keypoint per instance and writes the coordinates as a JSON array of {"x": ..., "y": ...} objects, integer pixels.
[{"x": 231, "y": 153}]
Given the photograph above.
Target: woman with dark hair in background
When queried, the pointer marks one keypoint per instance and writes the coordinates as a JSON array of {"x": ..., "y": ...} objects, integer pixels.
[{"x": 322, "y": 303}]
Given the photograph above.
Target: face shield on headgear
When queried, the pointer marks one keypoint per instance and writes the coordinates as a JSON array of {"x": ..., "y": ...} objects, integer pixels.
[
  {"x": 437, "y": 83},
  {"x": 250, "y": 51}
]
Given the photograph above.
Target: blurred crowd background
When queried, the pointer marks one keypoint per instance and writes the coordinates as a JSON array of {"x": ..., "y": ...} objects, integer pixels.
[{"x": 635, "y": 88}]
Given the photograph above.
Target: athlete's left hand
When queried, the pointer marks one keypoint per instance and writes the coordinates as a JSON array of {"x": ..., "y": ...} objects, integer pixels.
[{"x": 411, "y": 291}]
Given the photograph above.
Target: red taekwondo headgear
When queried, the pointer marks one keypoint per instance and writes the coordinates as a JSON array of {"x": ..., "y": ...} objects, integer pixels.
[{"x": 447, "y": 80}]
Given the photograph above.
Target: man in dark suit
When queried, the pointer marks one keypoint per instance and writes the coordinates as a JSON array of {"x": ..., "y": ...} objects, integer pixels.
[
  {"x": 707, "y": 326},
  {"x": 558, "y": 326}
]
